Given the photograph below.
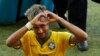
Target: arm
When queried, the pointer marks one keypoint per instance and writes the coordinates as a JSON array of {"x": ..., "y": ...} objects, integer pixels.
[
  {"x": 15, "y": 37},
  {"x": 78, "y": 34}
]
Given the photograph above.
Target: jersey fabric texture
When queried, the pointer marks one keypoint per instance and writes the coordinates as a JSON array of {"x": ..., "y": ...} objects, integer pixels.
[{"x": 54, "y": 46}]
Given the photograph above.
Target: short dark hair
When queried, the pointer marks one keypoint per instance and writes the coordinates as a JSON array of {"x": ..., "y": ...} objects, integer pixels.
[{"x": 34, "y": 10}]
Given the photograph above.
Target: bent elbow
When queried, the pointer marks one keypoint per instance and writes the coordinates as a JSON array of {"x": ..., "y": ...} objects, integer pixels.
[
  {"x": 84, "y": 37},
  {"x": 8, "y": 43}
]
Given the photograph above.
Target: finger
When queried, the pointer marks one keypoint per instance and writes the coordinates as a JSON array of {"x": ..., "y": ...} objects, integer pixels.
[
  {"x": 36, "y": 18},
  {"x": 45, "y": 12}
]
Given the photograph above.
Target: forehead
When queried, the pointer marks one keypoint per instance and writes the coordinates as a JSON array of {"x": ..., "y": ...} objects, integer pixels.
[
  {"x": 40, "y": 25},
  {"x": 42, "y": 21}
]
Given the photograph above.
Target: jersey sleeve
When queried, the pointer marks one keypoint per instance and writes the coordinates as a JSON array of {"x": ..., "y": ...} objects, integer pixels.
[
  {"x": 66, "y": 37},
  {"x": 18, "y": 44}
]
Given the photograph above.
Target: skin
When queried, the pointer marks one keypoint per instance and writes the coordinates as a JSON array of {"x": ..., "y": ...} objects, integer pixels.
[{"x": 41, "y": 26}]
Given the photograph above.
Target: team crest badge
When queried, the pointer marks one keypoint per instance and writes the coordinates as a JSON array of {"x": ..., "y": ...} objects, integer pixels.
[{"x": 51, "y": 46}]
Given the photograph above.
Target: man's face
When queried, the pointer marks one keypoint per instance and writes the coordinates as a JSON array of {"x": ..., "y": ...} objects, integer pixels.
[{"x": 41, "y": 29}]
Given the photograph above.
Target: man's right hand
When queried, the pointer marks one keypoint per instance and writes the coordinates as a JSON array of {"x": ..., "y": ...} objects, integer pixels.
[
  {"x": 51, "y": 16},
  {"x": 40, "y": 19}
]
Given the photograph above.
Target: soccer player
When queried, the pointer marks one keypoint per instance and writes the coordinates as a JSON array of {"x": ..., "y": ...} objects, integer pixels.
[{"x": 36, "y": 39}]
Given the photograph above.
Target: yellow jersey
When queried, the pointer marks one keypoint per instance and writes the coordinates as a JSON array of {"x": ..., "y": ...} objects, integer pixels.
[{"x": 54, "y": 46}]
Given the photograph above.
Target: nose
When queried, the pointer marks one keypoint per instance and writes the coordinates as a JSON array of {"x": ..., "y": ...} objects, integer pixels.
[{"x": 40, "y": 30}]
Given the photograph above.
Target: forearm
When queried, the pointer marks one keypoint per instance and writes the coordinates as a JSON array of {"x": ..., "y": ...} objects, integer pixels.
[
  {"x": 80, "y": 34},
  {"x": 15, "y": 37}
]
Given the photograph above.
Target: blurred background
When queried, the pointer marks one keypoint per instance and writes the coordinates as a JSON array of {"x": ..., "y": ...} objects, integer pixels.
[
  {"x": 12, "y": 11},
  {"x": 12, "y": 18}
]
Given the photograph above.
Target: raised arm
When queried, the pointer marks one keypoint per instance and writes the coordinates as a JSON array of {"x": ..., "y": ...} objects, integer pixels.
[
  {"x": 15, "y": 37},
  {"x": 78, "y": 34}
]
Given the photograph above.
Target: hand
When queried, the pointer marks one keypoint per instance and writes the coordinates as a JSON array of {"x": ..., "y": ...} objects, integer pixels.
[
  {"x": 40, "y": 19},
  {"x": 51, "y": 16}
]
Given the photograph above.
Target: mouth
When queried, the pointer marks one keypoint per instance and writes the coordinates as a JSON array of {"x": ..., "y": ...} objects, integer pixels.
[{"x": 41, "y": 34}]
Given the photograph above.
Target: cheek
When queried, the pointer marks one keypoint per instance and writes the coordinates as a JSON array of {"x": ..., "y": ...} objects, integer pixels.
[{"x": 46, "y": 28}]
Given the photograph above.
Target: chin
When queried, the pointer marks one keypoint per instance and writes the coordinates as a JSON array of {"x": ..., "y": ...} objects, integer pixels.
[{"x": 42, "y": 36}]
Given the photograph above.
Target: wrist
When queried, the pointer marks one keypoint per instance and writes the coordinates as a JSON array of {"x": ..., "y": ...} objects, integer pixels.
[
  {"x": 29, "y": 25},
  {"x": 59, "y": 19}
]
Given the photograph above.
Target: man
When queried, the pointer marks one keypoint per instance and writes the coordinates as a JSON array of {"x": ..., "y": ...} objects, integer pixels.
[
  {"x": 77, "y": 15},
  {"x": 36, "y": 39}
]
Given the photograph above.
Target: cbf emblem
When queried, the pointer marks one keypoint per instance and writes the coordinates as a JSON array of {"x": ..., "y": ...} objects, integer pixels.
[{"x": 51, "y": 46}]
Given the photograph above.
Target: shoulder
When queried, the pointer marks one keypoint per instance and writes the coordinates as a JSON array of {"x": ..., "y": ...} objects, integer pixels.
[
  {"x": 61, "y": 33},
  {"x": 28, "y": 34}
]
